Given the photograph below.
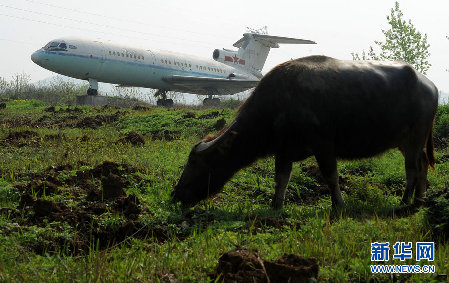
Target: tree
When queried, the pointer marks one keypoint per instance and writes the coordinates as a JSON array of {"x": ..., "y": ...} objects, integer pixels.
[{"x": 402, "y": 42}]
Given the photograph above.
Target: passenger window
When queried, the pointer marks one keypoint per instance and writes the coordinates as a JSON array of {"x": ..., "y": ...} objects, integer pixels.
[
  {"x": 72, "y": 47},
  {"x": 143, "y": 58}
]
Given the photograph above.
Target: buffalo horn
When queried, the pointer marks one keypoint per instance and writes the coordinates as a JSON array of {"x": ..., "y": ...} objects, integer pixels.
[{"x": 204, "y": 146}]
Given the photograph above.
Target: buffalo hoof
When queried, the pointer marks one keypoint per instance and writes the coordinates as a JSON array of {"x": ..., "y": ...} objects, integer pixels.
[{"x": 277, "y": 204}]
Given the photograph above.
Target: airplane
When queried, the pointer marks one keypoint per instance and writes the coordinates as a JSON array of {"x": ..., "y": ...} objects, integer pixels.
[{"x": 228, "y": 72}]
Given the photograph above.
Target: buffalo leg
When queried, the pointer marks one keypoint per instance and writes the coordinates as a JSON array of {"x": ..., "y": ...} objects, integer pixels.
[
  {"x": 411, "y": 174},
  {"x": 416, "y": 166},
  {"x": 420, "y": 188},
  {"x": 328, "y": 167},
  {"x": 283, "y": 171}
]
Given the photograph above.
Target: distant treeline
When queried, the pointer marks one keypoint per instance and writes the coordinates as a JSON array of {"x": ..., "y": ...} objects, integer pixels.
[{"x": 56, "y": 92}]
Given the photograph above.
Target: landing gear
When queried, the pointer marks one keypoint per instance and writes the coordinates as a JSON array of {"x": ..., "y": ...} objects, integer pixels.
[
  {"x": 93, "y": 89},
  {"x": 92, "y": 92},
  {"x": 211, "y": 101},
  {"x": 163, "y": 101}
]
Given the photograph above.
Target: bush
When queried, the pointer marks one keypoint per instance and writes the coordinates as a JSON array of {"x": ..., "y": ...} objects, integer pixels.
[
  {"x": 438, "y": 212},
  {"x": 441, "y": 127}
]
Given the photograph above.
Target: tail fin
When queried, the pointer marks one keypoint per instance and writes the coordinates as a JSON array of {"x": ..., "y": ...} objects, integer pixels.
[{"x": 253, "y": 51}]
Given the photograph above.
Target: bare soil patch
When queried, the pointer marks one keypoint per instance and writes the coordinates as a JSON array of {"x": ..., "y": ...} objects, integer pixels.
[
  {"x": 21, "y": 138},
  {"x": 211, "y": 115},
  {"x": 165, "y": 135},
  {"x": 133, "y": 138},
  {"x": 248, "y": 266},
  {"x": 80, "y": 201}
]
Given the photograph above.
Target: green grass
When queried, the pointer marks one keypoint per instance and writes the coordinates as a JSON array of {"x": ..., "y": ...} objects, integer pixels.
[{"x": 193, "y": 240}]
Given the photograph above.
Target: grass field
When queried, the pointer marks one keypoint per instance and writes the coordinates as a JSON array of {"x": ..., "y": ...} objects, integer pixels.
[{"x": 85, "y": 196}]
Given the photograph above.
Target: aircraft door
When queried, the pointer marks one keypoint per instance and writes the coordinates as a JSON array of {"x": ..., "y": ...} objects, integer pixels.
[
  {"x": 150, "y": 59},
  {"x": 100, "y": 59}
]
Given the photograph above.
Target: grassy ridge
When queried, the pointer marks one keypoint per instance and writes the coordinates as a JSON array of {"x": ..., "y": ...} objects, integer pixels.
[{"x": 64, "y": 163}]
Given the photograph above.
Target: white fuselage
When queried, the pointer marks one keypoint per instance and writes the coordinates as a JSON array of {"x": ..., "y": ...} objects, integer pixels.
[{"x": 128, "y": 66}]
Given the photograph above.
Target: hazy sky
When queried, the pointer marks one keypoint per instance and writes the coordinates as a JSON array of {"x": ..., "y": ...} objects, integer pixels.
[{"x": 198, "y": 27}]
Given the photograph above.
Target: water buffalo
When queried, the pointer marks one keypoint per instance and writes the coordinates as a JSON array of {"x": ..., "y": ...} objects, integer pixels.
[{"x": 327, "y": 108}]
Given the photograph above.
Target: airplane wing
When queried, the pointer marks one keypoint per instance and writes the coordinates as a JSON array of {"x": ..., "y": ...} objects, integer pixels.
[
  {"x": 209, "y": 86},
  {"x": 271, "y": 41}
]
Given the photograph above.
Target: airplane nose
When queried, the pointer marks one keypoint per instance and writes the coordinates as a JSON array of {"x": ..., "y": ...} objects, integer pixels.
[{"x": 35, "y": 57}]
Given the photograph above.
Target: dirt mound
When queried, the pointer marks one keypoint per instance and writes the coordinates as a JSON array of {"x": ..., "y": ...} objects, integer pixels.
[
  {"x": 22, "y": 135},
  {"x": 165, "y": 135},
  {"x": 219, "y": 124},
  {"x": 189, "y": 115},
  {"x": 82, "y": 199},
  {"x": 97, "y": 121},
  {"x": 92, "y": 204},
  {"x": 89, "y": 122},
  {"x": 50, "y": 109},
  {"x": 113, "y": 186},
  {"x": 248, "y": 266},
  {"x": 141, "y": 108},
  {"x": 133, "y": 138},
  {"x": 211, "y": 115},
  {"x": 71, "y": 110},
  {"x": 54, "y": 137},
  {"x": 20, "y": 139}
]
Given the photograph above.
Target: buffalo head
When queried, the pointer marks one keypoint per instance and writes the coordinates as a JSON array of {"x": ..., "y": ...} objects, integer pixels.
[{"x": 207, "y": 170}]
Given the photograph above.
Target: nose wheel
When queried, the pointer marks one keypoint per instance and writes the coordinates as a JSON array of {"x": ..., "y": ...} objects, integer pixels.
[
  {"x": 93, "y": 87},
  {"x": 163, "y": 101},
  {"x": 91, "y": 91}
]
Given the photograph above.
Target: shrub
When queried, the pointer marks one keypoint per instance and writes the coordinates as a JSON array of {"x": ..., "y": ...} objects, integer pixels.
[
  {"x": 438, "y": 212},
  {"x": 441, "y": 127}
]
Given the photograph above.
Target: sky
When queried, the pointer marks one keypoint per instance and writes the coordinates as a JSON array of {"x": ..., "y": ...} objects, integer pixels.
[{"x": 198, "y": 27}]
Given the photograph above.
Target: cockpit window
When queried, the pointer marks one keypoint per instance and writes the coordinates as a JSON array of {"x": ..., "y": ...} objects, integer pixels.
[{"x": 56, "y": 46}]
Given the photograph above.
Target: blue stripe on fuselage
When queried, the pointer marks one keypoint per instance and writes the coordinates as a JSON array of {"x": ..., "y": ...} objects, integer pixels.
[{"x": 130, "y": 63}]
